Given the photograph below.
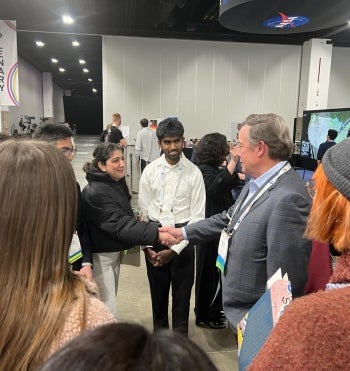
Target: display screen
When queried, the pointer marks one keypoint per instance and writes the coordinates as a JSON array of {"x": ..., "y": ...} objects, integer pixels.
[{"x": 316, "y": 125}]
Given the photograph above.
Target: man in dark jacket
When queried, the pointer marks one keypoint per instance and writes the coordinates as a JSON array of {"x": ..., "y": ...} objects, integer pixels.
[{"x": 330, "y": 142}]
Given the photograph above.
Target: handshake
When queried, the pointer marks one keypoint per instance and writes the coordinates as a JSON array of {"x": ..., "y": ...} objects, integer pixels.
[{"x": 168, "y": 236}]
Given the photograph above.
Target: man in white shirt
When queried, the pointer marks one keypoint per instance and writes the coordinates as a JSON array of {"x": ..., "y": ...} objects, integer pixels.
[
  {"x": 172, "y": 193},
  {"x": 146, "y": 148}
]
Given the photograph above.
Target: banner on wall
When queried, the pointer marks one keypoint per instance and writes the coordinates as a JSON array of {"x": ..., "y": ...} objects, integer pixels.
[{"x": 8, "y": 64}]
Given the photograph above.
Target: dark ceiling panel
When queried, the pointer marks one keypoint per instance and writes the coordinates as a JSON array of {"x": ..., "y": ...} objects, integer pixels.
[{"x": 181, "y": 19}]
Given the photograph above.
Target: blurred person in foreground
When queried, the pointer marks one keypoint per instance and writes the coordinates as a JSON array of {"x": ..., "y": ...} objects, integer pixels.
[
  {"x": 43, "y": 304},
  {"x": 313, "y": 332},
  {"x": 263, "y": 231},
  {"x": 130, "y": 347}
]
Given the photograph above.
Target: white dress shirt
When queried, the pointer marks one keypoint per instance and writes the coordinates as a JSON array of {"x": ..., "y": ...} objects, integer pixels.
[
  {"x": 146, "y": 147},
  {"x": 178, "y": 188}
]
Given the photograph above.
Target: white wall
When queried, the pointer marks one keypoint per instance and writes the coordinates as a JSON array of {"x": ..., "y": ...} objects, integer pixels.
[
  {"x": 339, "y": 86},
  {"x": 208, "y": 85},
  {"x": 30, "y": 96}
]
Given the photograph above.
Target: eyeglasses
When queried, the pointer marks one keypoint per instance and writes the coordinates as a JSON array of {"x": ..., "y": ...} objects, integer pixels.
[
  {"x": 310, "y": 186},
  {"x": 68, "y": 151}
]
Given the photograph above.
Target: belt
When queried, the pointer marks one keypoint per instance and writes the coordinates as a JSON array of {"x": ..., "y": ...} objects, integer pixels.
[{"x": 177, "y": 225}]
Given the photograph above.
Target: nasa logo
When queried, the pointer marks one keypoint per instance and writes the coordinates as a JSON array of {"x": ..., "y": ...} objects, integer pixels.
[{"x": 285, "y": 22}]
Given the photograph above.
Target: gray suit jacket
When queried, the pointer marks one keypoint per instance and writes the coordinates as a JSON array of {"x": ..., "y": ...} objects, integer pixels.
[{"x": 269, "y": 237}]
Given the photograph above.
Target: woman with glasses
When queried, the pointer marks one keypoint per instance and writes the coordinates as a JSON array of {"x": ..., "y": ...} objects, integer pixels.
[
  {"x": 313, "y": 332},
  {"x": 110, "y": 218},
  {"x": 43, "y": 304}
]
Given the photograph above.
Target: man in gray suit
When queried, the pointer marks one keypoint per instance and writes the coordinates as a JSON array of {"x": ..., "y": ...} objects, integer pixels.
[{"x": 264, "y": 230}]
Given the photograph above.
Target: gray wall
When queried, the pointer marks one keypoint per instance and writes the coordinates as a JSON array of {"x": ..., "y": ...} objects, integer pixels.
[
  {"x": 208, "y": 85},
  {"x": 31, "y": 97}
]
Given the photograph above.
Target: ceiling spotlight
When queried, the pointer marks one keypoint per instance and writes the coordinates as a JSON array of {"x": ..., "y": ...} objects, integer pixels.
[
  {"x": 61, "y": 69},
  {"x": 75, "y": 43},
  {"x": 81, "y": 61},
  {"x": 54, "y": 60},
  {"x": 90, "y": 79},
  {"x": 85, "y": 70},
  {"x": 94, "y": 90},
  {"x": 40, "y": 44},
  {"x": 67, "y": 19}
]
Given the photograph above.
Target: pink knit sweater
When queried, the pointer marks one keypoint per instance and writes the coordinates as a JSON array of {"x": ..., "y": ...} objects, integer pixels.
[
  {"x": 314, "y": 331},
  {"x": 97, "y": 314}
]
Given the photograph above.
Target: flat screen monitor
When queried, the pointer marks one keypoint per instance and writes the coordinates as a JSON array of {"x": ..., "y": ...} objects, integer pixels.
[{"x": 316, "y": 124}]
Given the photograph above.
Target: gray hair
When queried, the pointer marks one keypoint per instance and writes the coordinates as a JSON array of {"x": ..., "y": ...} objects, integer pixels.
[{"x": 273, "y": 131}]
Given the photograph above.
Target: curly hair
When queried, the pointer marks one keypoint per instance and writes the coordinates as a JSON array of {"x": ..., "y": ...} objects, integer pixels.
[{"x": 212, "y": 149}]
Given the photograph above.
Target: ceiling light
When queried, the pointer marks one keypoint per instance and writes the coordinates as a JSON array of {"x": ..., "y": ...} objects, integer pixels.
[
  {"x": 75, "y": 43},
  {"x": 81, "y": 61},
  {"x": 67, "y": 19},
  {"x": 61, "y": 69},
  {"x": 54, "y": 60},
  {"x": 90, "y": 79},
  {"x": 94, "y": 90},
  {"x": 85, "y": 70},
  {"x": 40, "y": 44}
]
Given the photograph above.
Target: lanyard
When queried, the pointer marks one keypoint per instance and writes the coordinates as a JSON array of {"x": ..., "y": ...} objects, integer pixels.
[
  {"x": 162, "y": 181},
  {"x": 231, "y": 228}
]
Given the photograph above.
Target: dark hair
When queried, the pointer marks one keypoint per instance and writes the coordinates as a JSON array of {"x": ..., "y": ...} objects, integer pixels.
[
  {"x": 332, "y": 134},
  {"x": 170, "y": 127},
  {"x": 129, "y": 347},
  {"x": 52, "y": 132},
  {"x": 101, "y": 154},
  {"x": 212, "y": 149},
  {"x": 144, "y": 123}
]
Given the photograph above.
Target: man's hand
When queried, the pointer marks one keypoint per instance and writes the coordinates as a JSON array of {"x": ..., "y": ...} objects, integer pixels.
[
  {"x": 174, "y": 233},
  {"x": 164, "y": 257},
  {"x": 167, "y": 239},
  {"x": 151, "y": 255},
  {"x": 85, "y": 271}
]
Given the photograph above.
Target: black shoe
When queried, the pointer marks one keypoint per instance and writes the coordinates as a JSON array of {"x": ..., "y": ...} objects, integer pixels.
[{"x": 216, "y": 325}]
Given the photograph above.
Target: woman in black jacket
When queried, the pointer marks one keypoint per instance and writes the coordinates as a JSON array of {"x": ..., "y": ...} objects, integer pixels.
[
  {"x": 219, "y": 177},
  {"x": 110, "y": 218}
]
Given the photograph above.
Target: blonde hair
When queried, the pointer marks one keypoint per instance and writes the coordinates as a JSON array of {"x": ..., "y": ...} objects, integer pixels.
[
  {"x": 329, "y": 219},
  {"x": 116, "y": 116},
  {"x": 38, "y": 205}
]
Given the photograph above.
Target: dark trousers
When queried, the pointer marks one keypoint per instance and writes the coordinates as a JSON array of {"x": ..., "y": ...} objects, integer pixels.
[
  {"x": 179, "y": 273},
  {"x": 208, "y": 291},
  {"x": 144, "y": 163}
]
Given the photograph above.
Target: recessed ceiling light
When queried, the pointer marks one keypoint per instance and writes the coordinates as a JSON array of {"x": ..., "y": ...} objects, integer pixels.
[
  {"x": 89, "y": 79},
  {"x": 82, "y": 61},
  {"x": 54, "y": 60},
  {"x": 75, "y": 43},
  {"x": 40, "y": 44},
  {"x": 61, "y": 69},
  {"x": 94, "y": 90},
  {"x": 85, "y": 70},
  {"x": 67, "y": 19}
]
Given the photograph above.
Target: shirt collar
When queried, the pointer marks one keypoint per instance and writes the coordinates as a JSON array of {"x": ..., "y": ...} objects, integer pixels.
[{"x": 261, "y": 180}]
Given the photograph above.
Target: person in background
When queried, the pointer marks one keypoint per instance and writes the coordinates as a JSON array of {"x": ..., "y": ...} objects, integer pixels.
[
  {"x": 106, "y": 134},
  {"x": 171, "y": 192},
  {"x": 110, "y": 218},
  {"x": 211, "y": 153},
  {"x": 330, "y": 142},
  {"x": 313, "y": 331},
  {"x": 43, "y": 304},
  {"x": 61, "y": 136},
  {"x": 263, "y": 231},
  {"x": 129, "y": 347},
  {"x": 116, "y": 134},
  {"x": 146, "y": 148}
]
